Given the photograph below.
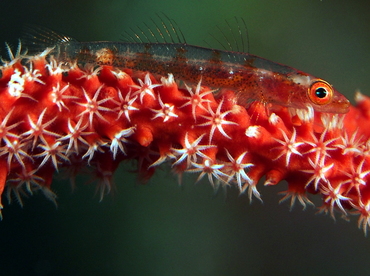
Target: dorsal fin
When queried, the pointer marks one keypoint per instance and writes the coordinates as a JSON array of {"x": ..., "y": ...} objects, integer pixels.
[
  {"x": 36, "y": 38},
  {"x": 235, "y": 38},
  {"x": 164, "y": 30}
]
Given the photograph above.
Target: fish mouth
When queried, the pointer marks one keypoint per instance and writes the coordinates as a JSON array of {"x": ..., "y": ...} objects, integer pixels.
[{"x": 340, "y": 104}]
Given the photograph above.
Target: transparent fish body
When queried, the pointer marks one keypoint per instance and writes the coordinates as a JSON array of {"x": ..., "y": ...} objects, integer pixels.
[{"x": 253, "y": 78}]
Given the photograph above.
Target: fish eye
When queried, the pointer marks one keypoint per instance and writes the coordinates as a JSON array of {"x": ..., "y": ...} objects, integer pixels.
[{"x": 320, "y": 92}]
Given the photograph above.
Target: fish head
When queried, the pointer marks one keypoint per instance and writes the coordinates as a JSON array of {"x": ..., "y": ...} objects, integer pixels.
[{"x": 321, "y": 95}]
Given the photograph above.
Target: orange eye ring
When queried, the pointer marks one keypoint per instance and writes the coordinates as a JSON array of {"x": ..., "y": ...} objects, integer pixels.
[{"x": 320, "y": 92}]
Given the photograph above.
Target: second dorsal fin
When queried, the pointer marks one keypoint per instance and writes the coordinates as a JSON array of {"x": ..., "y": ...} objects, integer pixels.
[{"x": 36, "y": 38}]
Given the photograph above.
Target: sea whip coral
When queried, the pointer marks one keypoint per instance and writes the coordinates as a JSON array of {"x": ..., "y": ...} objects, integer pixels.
[{"x": 61, "y": 116}]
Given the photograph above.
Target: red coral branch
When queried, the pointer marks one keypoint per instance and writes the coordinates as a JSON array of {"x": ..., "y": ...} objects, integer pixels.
[{"x": 58, "y": 115}]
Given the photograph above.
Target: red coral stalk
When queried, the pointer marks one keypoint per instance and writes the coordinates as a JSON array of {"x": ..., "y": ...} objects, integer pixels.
[{"x": 56, "y": 116}]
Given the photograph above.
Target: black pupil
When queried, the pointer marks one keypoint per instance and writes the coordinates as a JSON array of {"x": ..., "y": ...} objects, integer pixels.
[{"x": 321, "y": 92}]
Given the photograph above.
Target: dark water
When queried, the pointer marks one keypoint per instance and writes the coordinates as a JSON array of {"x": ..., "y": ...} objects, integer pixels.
[{"x": 161, "y": 229}]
